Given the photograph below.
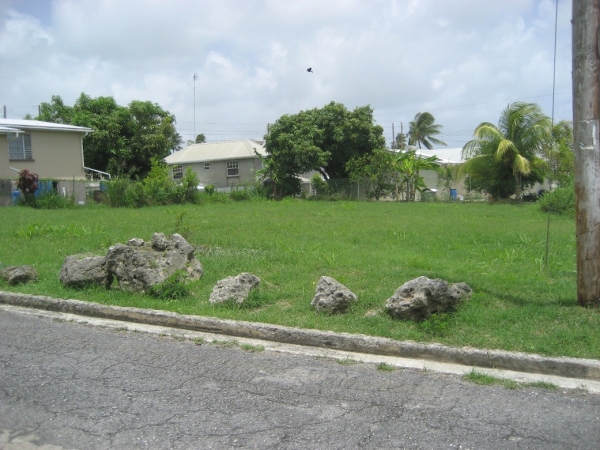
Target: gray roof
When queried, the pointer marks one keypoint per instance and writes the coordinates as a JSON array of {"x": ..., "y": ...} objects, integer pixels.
[
  {"x": 15, "y": 125},
  {"x": 217, "y": 151}
]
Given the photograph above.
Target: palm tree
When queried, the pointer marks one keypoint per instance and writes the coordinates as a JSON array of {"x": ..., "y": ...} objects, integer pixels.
[
  {"x": 521, "y": 133},
  {"x": 422, "y": 131}
]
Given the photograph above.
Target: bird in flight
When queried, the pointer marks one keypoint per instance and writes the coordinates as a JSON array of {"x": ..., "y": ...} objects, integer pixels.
[{"x": 309, "y": 70}]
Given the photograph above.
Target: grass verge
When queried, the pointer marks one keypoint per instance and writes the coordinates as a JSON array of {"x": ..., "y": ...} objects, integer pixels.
[
  {"x": 489, "y": 380},
  {"x": 372, "y": 247}
]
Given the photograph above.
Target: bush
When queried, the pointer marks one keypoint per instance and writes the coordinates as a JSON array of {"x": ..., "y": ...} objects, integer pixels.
[
  {"x": 559, "y": 201},
  {"x": 156, "y": 189},
  {"x": 116, "y": 192},
  {"x": 239, "y": 195},
  {"x": 28, "y": 182},
  {"x": 53, "y": 200}
]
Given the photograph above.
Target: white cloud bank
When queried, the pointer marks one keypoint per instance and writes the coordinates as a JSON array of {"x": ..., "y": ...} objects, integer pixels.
[{"x": 462, "y": 60}]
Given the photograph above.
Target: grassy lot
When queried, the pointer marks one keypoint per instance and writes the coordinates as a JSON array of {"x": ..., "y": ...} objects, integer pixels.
[{"x": 372, "y": 248}]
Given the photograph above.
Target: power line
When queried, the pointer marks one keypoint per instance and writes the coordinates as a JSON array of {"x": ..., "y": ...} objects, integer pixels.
[{"x": 471, "y": 104}]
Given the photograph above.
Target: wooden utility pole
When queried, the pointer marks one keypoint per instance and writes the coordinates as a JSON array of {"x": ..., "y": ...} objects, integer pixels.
[{"x": 586, "y": 146}]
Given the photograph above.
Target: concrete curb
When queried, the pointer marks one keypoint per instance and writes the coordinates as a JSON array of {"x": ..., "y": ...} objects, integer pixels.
[{"x": 588, "y": 369}]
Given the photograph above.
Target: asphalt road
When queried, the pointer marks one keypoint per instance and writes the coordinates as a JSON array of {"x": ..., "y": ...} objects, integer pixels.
[{"x": 70, "y": 386}]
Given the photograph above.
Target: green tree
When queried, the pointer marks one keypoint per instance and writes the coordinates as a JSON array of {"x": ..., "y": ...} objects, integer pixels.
[
  {"x": 445, "y": 180},
  {"x": 374, "y": 171},
  {"x": 509, "y": 149},
  {"x": 400, "y": 142},
  {"x": 422, "y": 131},
  {"x": 125, "y": 139},
  {"x": 200, "y": 139},
  {"x": 408, "y": 165},
  {"x": 559, "y": 155},
  {"x": 323, "y": 140}
]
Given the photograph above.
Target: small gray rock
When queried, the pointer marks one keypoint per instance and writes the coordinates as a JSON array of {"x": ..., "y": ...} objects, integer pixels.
[
  {"x": 84, "y": 270},
  {"x": 159, "y": 242},
  {"x": 234, "y": 288},
  {"x": 419, "y": 298},
  {"x": 19, "y": 274},
  {"x": 332, "y": 297},
  {"x": 135, "y": 242}
]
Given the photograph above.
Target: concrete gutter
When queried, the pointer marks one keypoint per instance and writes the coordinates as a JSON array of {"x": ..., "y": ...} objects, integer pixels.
[{"x": 584, "y": 369}]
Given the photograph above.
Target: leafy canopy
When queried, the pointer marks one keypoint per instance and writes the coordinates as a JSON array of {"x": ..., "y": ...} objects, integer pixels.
[
  {"x": 508, "y": 151},
  {"x": 125, "y": 139},
  {"x": 422, "y": 131},
  {"x": 322, "y": 139}
]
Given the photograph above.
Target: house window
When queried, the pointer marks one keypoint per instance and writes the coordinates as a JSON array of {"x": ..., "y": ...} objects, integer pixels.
[
  {"x": 206, "y": 166},
  {"x": 232, "y": 169},
  {"x": 177, "y": 172},
  {"x": 19, "y": 147}
]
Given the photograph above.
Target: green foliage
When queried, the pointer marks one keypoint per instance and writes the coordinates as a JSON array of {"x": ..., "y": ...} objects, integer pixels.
[
  {"x": 158, "y": 188},
  {"x": 252, "y": 348},
  {"x": 488, "y": 380},
  {"x": 385, "y": 367},
  {"x": 125, "y": 139},
  {"x": 36, "y": 228},
  {"x": 189, "y": 186},
  {"x": 422, "y": 131},
  {"x": 319, "y": 139},
  {"x": 445, "y": 181},
  {"x": 173, "y": 288},
  {"x": 407, "y": 166},
  {"x": 240, "y": 194},
  {"x": 209, "y": 189},
  {"x": 559, "y": 155},
  {"x": 375, "y": 171},
  {"x": 436, "y": 324},
  {"x": 319, "y": 185},
  {"x": 200, "y": 139},
  {"x": 509, "y": 149},
  {"x": 560, "y": 201},
  {"x": 53, "y": 200}
]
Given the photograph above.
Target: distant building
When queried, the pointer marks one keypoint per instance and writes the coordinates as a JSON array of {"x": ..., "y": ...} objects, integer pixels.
[
  {"x": 51, "y": 150},
  {"x": 223, "y": 164}
]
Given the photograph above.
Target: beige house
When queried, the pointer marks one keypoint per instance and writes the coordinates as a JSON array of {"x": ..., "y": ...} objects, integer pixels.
[
  {"x": 224, "y": 164},
  {"x": 51, "y": 150}
]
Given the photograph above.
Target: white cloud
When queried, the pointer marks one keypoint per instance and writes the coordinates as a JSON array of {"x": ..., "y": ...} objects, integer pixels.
[{"x": 251, "y": 58}]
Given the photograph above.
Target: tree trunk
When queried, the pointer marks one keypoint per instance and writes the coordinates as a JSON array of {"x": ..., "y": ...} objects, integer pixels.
[
  {"x": 586, "y": 146},
  {"x": 517, "y": 187}
]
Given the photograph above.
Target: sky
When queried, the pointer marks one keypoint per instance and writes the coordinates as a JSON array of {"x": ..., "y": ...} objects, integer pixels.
[{"x": 463, "y": 61}]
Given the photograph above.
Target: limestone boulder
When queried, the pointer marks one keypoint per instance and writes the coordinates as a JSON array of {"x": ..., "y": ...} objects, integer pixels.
[
  {"x": 84, "y": 270},
  {"x": 139, "y": 265},
  {"x": 19, "y": 274},
  {"x": 332, "y": 297},
  {"x": 419, "y": 298},
  {"x": 235, "y": 289}
]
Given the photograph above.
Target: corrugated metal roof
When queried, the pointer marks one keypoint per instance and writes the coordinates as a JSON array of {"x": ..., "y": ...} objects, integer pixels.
[
  {"x": 24, "y": 124},
  {"x": 217, "y": 151},
  {"x": 9, "y": 130},
  {"x": 445, "y": 155}
]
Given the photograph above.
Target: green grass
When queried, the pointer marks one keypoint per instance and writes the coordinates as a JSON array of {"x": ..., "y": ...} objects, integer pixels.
[
  {"x": 372, "y": 248},
  {"x": 488, "y": 380},
  {"x": 385, "y": 367}
]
